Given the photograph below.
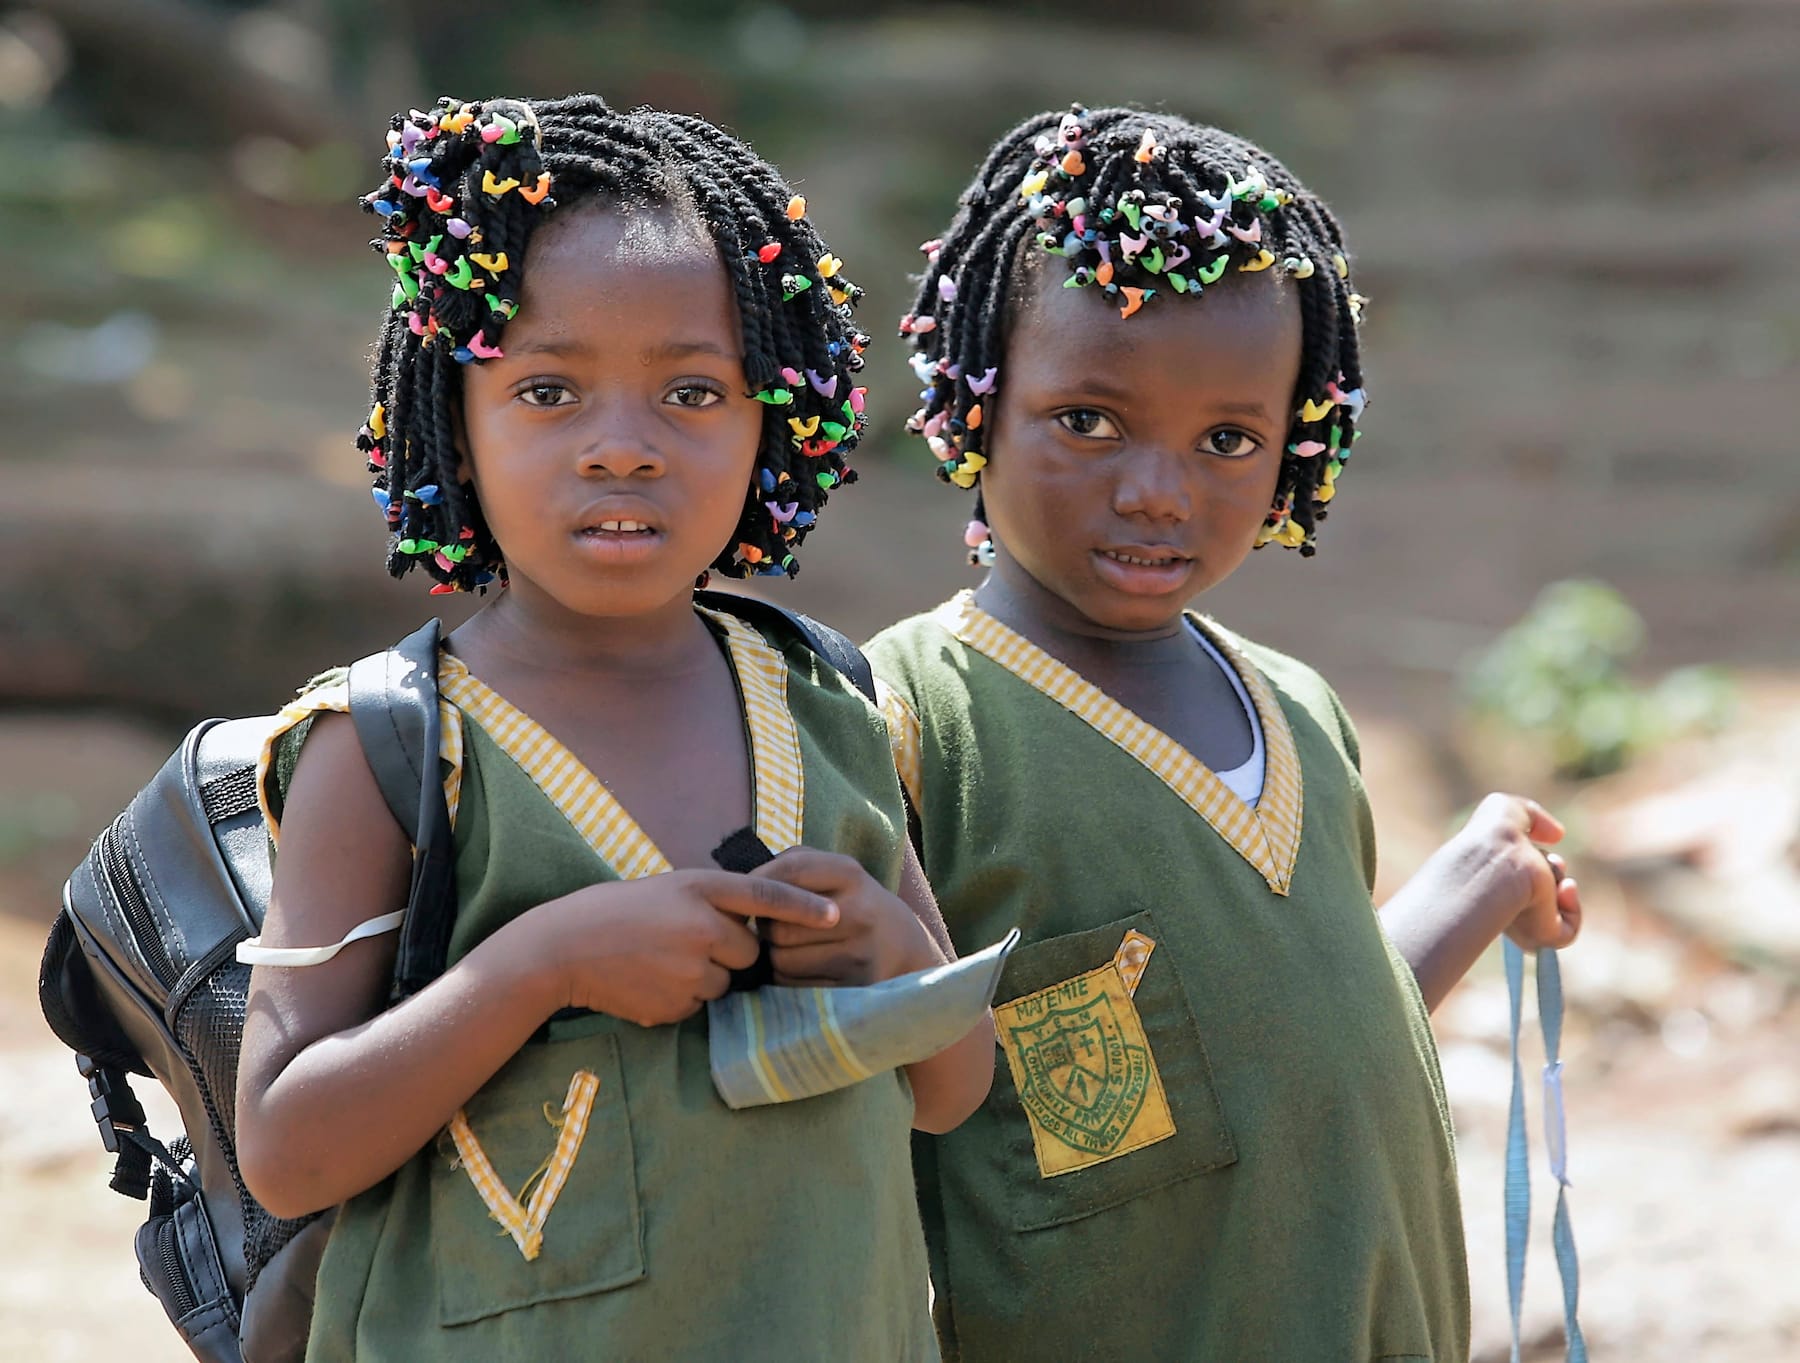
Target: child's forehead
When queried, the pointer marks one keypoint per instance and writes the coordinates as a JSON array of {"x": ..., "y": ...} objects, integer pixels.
[
  {"x": 1080, "y": 330},
  {"x": 618, "y": 282},
  {"x": 601, "y": 231}
]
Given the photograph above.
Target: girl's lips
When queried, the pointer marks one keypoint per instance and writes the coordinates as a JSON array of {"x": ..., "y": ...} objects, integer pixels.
[
  {"x": 610, "y": 543},
  {"x": 1146, "y": 572}
]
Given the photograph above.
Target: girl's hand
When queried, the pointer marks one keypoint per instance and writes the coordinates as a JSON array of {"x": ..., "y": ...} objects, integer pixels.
[
  {"x": 654, "y": 950},
  {"x": 876, "y": 937},
  {"x": 1540, "y": 901}
]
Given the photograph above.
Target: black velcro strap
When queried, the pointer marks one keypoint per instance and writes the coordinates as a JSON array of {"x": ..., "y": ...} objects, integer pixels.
[
  {"x": 227, "y": 796},
  {"x": 742, "y": 852}
]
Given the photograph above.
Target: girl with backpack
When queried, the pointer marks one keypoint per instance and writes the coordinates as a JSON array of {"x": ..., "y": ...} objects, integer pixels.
[{"x": 618, "y": 358}]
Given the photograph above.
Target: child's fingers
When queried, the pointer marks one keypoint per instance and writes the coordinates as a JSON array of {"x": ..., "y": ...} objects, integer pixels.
[
  {"x": 826, "y": 963},
  {"x": 1517, "y": 814},
  {"x": 1568, "y": 908},
  {"x": 733, "y": 946},
  {"x": 715, "y": 981},
  {"x": 754, "y": 896},
  {"x": 829, "y": 873},
  {"x": 1540, "y": 824},
  {"x": 795, "y": 935}
]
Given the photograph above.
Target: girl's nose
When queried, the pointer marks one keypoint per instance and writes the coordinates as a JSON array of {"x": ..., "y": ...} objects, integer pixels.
[
  {"x": 620, "y": 448},
  {"x": 1151, "y": 485}
]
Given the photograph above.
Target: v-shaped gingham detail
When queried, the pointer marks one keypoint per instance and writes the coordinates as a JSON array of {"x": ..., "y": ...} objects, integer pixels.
[
  {"x": 1268, "y": 837},
  {"x": 524, "y": 1221},
  {"x": 591, "y": 809}
]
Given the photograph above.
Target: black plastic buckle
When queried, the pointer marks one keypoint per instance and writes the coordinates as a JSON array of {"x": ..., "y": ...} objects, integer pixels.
[{"x": 120, "y": 1118}]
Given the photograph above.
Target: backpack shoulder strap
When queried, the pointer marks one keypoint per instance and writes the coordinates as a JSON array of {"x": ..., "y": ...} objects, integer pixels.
[
  {"x": 835, "y": 648},
  {"x": 394, "y": 705}
]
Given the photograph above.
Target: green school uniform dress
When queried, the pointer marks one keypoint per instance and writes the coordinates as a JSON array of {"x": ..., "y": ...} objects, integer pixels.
[
  {"x": 596, "y": 1199},
  {"x": 1217, "y": 1129}
]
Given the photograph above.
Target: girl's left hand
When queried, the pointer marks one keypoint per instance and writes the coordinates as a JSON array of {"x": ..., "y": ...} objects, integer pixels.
[
  {"x": 876, "y": 937},
  {"x": 1546, "y": 899}
]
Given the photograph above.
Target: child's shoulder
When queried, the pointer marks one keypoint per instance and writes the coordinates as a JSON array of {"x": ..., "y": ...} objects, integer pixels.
[
  {"x": 779, "y": 663},
  {"x": 1300, "y": 682},
  {"x": 775, "y": 640},
  {"x": 897, "y": 651}
]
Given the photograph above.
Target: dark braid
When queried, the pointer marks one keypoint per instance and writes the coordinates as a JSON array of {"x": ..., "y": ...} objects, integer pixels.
[
  {"x": 1142, "y": 205},
  {"x": 468, "y": 185}
]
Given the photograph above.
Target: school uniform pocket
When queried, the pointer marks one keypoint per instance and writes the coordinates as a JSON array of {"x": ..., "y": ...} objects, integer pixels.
[
  {"x": 1104, "y": 1092},
  {"x": 534, "y": 1186}
]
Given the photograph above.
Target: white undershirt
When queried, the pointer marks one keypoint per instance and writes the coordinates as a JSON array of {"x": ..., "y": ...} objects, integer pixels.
[{"x": 1245, "y": 781}]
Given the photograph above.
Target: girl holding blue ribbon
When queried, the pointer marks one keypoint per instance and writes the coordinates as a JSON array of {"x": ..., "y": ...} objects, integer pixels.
[
  {"x": 618, "y": 356},
  {"x": 1218, "y": 1130}
]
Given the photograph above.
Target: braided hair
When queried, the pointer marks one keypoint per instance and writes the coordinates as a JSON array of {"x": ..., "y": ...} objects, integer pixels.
[
  {"x": 466, "y": 186},
  {"x": 1144, "y": 207}
]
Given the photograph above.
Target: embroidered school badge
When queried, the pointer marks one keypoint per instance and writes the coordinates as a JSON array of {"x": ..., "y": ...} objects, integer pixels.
[{"x": 1083, "y": 1066}]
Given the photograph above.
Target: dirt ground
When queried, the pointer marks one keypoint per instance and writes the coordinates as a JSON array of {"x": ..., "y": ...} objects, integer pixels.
[{"x": 1684, "y": 1109}]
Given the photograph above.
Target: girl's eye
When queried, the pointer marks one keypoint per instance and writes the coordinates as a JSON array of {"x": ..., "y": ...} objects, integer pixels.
[
  {"x": 692, "y": 395},
  {"x": 545, "y": 395},
  {"x": 1231, "y": 444},
  {"x": 1085, "y": 421}
]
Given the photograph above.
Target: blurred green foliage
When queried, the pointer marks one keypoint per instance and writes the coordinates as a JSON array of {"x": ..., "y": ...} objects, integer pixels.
[{"x": 1560, "y": 679}]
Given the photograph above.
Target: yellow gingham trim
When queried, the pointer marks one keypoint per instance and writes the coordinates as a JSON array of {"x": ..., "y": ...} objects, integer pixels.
[
  {"x": 1132, "y": 958},
  {"x": 525, "y": 1223},
  {"x": 450, "y": 746},
  {"x": 1283, "y": 798},
  {"x": 320, "y": 700},
  {"x": 903, "y": 738},
  {"x": 570, "y": 786},
  {"x": 1268, "y": 837},
  {"x": 584, "y": 800},
  {"x": 780, "y": 778}
]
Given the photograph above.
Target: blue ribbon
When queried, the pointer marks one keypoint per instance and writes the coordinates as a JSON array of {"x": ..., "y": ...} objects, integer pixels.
[{"x": 1518, "y": 1165}]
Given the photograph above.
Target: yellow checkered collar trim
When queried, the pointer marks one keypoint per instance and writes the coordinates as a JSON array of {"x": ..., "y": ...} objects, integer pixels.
[
  {"x": 779, "y": 778},
  {"x": 1268, "y": 837}
]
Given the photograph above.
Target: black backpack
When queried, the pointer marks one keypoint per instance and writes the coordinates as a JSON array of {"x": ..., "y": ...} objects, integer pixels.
[{"x": 141, "y": 977}]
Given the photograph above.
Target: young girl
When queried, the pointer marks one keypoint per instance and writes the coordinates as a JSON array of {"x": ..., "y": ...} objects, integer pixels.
[
  {"x": 1219, "y": 1130},
  {"x": 618, "y": 356}
]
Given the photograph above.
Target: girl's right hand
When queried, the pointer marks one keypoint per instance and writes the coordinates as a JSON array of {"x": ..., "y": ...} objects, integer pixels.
[{"x": 653, "y": 950}]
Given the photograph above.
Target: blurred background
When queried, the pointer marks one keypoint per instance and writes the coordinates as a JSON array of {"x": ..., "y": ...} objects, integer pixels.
[{"x": 1567, "y": 560}]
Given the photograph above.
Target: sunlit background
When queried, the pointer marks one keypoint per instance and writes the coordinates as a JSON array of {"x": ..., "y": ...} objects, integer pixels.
[{"x": 1566, "y": 559}]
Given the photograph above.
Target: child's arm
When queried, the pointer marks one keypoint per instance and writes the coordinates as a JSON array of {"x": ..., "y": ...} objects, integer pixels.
[
  {"x": 948, "y": 1087},
  {"x": 336, "y": 1091},
  {"x": 1491, "y": 877},
  {"x": 879, "y": 936}
]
